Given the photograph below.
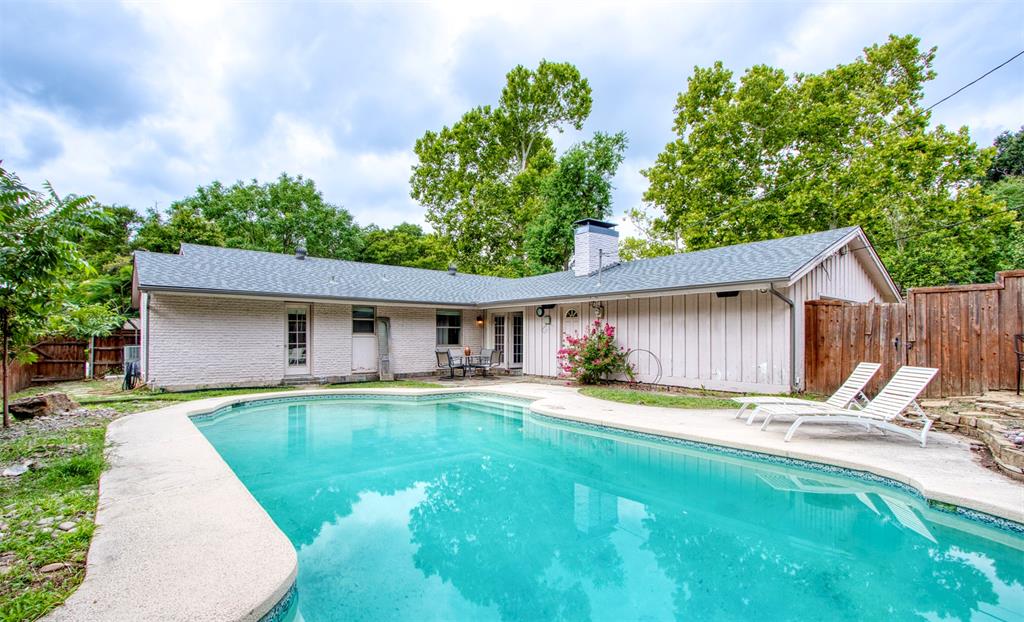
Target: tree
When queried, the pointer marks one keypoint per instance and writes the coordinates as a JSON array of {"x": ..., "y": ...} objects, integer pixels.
[
  {"x": 403, "y": 245},
  {"x": 40, "y": 261},
  {"x": 480, "y": 178},
  {"x": 655, "y": 240},
  {"x": 1009, "y": 191},
  {"x": 1009, "y": 158},
  {"x": 579, "y": 187},
  {"x": 274, "y": 217},
  {"x": 107, "y": 248},
  {"x": 772, "y": 156},
  {"x": 184, "y": 225}
]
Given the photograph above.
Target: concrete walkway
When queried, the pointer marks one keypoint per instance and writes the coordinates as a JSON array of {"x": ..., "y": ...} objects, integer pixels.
[{"x": 180, "y": 538}]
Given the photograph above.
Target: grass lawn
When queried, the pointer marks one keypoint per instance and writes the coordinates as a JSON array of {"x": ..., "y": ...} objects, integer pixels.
[
  {"x": 649, "y": 398},
  {"x": 46, "y": 515},
  {"x": 47, "y": 518}
]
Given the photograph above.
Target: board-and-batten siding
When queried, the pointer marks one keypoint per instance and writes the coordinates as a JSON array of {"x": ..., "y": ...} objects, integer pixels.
[
  {"x": 700, "y": 340},
  {"x": 738, "y": 343},
  {"x": 839, "y": 276}
]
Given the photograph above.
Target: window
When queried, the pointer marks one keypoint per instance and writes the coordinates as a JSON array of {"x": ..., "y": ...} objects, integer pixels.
[
  {"x": 363, "y": 320},
  {"x": 499, "y": 335},
  {"x": 571, "y": 314},
  {"x": 449, "y": 327},
  {"x": 296, "y": 337}
]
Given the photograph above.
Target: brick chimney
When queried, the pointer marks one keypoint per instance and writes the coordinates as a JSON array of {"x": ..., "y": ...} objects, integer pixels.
[{"x": 597, "y": 246}]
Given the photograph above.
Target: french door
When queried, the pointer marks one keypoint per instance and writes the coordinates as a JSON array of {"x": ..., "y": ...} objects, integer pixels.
[
  {"x": 499, "y": 337},
  {"x": 517, "y": 339},
  {"x": 297, "y": 340}
]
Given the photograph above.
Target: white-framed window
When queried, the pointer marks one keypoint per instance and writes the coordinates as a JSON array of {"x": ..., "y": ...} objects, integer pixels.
[
  {"x": 449, "y": 327},
  {"x": 363, "y": 320},
  {"x": 571, "y": 314}
]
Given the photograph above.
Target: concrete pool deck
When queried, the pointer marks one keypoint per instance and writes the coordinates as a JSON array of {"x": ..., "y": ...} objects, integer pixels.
[{"x": 179, "y": 537}]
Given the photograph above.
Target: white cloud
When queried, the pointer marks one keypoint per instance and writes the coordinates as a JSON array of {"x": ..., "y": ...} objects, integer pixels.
[{"x": 339, "y": 93}]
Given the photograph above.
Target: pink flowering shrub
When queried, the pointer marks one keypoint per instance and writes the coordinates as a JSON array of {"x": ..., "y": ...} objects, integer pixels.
[{"x": 593, "y": 356}]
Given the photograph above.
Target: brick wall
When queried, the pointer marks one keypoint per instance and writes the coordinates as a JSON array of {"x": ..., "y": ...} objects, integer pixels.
[
  {"x": 201, "y": 341},
  {"x": 414, "y": 337},
  {"x": 331, "y": 342},
  {"x": 198, "y": 341}
]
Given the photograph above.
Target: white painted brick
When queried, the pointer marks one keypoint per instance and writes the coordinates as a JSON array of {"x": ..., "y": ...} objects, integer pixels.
[
  {"x": 197, "y": 341},
  {"x": 331, "y": 340}
]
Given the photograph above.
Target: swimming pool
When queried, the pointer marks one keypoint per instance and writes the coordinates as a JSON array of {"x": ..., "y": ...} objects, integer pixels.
[{"x": 472, "y": 508}]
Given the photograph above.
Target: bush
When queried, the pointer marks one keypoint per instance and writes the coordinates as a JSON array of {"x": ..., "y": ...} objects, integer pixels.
[{"x": 593, "y": 357}]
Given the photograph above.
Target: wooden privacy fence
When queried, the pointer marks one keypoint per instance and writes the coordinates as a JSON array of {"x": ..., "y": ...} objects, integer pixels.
[
  {"x": 61, "y": 359},
  {"x": 966, "y": 331}
]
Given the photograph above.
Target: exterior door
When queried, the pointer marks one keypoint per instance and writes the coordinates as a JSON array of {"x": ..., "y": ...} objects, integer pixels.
[
  {"x": 500, "y": 335},
  {"x": 297, "y": 340},
  {"x": 517, "y": 340},
  {"x": 571, "y": 323},
  {"x": 364, "y": 339}
]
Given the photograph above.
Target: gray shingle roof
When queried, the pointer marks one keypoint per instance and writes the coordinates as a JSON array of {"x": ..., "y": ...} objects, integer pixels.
[{"x": 224, "y": 270}]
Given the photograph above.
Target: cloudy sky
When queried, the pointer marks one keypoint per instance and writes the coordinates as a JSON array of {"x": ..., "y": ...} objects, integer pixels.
[{"x": 140, "y": 103}]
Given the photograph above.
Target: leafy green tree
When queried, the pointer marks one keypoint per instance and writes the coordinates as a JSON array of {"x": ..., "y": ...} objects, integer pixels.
[
  {"x": 1009, "y": 158},
  {"x": 480, "y": 178},
  {"x": 403, "y": 245},
  {"x": 40, "y": 261},
  {"x": 655, "y": 239},
  {"x": 274, "y": 217},
  {"x": 107, "y": 248},
  {"x": 772, "y": 156},
  {"x": 1009, "y": 191},
  {"x": 579, "y": 187},
  {"x": 162, "y": 235}
]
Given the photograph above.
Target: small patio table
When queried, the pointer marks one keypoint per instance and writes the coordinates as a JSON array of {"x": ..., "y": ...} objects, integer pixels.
[{"x": 474, "y": 361}]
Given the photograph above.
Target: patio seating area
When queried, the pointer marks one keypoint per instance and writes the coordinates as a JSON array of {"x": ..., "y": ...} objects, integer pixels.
[{"x": 470, "y": 364}]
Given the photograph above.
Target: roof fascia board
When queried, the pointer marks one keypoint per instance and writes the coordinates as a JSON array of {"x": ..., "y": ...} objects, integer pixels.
[
  {"x": 136, "y": 299},
  {"x": 651, "y": 293},
  {"x": 876, "y": 261},
  {"x": 811, "y": 264},
  {"x": 171, "y": 291}
]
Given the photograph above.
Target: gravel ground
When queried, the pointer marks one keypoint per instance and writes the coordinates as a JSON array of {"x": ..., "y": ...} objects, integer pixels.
[{"x": 53, "y": 423}]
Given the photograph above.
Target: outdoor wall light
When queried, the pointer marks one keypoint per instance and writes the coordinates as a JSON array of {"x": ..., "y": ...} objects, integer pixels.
[{"x": 479, "y": 320}]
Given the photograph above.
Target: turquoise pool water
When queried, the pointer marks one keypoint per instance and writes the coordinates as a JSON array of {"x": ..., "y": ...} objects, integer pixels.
[{"x": 467, "y": 509}]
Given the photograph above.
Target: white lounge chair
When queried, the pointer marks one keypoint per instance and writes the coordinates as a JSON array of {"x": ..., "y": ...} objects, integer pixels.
[
  {"x": 851, "y": 394},
  {"x": 888, "y": 406}
]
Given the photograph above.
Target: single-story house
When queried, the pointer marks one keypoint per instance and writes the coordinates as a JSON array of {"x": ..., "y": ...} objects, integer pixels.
[{"x": 728, "y": 318}]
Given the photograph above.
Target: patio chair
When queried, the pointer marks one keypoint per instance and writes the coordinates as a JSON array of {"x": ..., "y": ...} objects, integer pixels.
[
  {"x": 851, "y": 394},
  {"x": 881, "y": 412},
  {"x": 490, "y": 358},
  {"x": 445, "y": 361}
]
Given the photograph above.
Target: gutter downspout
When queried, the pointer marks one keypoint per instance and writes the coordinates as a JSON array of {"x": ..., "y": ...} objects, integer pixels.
[
  {"x": 145, "y": 377},
  {"x": 792, "y": 336}
]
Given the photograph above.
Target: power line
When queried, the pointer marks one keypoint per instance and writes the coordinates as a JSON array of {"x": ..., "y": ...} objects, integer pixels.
[
  {"x": 977, "y": 223},
  {"x": 976, "y": 80},
  {"x": 897, "y": 127}
]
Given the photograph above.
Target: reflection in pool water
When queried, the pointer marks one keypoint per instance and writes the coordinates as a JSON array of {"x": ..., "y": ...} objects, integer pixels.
[{"x": 470, "y": 510}]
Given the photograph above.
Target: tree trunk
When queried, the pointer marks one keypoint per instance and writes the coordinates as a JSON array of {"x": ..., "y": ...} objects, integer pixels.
[{"x": 5, "y": 326}]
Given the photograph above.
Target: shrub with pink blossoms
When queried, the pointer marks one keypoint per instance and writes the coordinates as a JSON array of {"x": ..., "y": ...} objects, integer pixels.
[{"x": 593, "y": 356}]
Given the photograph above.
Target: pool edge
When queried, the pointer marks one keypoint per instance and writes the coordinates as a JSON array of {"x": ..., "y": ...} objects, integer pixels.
[
  {"x": 546, "y": 400},
  {"x": 969, "y": 509}
]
